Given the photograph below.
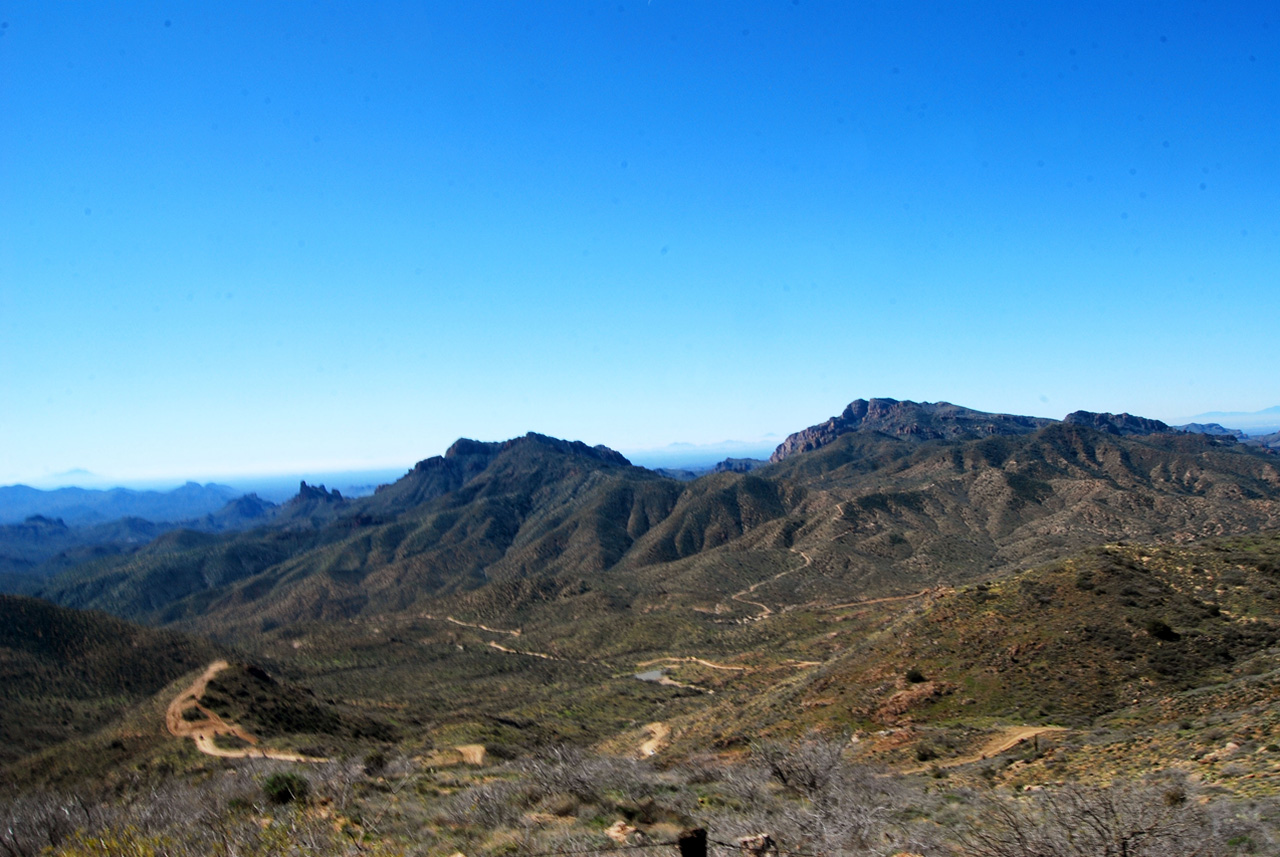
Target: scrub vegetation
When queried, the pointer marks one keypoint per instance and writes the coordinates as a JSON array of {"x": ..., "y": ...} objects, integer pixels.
[{"x": 919, "y": 636}]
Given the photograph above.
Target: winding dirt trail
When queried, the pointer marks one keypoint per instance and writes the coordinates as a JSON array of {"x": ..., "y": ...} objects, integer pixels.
[
  {"x": 509, "y": 632},
  {"x": 203, "y": 731},
  {"x": 1006, "y": 740},
  {"x": 543, "y": 655},
  {"x": 659, "y": 733},
  {"x": 692, "y": 660},
  {"x": 765, "y": 610},
  {"x": 891, "y": 598}
]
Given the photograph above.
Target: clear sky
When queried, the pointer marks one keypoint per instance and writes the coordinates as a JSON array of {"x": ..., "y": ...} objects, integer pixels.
[{"x": 248, "y": 237}]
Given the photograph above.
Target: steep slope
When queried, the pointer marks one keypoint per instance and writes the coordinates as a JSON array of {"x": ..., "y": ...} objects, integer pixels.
[
  {"x": 873, "y": 515},
  {"x": 67, "y": 673},
  {"x": 924, "y": 513},
  {"x": 1147, "y": 639},
  {"x": 538, "y": 504},
  {"x": 146, "y": 583}
]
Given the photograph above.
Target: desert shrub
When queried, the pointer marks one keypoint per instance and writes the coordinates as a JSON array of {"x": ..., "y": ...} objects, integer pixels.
[
  {"x": 570, "y": 771},
  {"x": 488, "y": 806},
  {"x": 914, "y": 676},
  {"x": 375, "y": 762},
  {"x": 1152, "y": 819},
  {"x": 748, "y": 784},
  {"x": 38, "y": 821},
  {"x": 806, "y": 767},
  {"x": 285, "y": 787}
]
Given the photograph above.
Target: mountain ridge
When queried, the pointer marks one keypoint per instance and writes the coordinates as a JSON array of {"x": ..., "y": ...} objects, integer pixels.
[
  {"x": 879, "y": 512},
  {"x": 506, "y": 592},
  {"x": 908, "y": 420},
  {"x": 92, "y": 506}
]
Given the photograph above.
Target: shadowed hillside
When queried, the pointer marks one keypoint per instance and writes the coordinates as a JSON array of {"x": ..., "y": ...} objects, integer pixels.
[{"x": 67, "y": 673}]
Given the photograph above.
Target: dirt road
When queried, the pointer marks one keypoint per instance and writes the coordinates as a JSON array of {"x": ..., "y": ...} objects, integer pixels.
[
  {"x": 544, "y": 656},
  {"x": 765, "y": 610},
  {"x": 203, "y": 731},
  {"x": 869, "y": 601},
  {"x": 691, "y": 660},
  {"x": 658, "y": 735},
  {"x": 509, "y": 632},
  {"x": 1006, "y": 740}
]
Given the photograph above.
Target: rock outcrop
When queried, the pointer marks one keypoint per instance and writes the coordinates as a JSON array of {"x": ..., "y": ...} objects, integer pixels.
[
  {"x": 917, "y": 421},
  {"x": 317, "y": 492},
  {"x": 738, "y": 465},
  {"x": 1124, "y": 425}
]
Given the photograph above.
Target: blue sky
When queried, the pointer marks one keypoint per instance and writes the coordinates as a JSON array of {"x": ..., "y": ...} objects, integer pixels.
[{"x": 273, "y": 237}]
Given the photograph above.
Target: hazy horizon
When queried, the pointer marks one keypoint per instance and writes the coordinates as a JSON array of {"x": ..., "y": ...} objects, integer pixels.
[{"x": 281, "y": 484}]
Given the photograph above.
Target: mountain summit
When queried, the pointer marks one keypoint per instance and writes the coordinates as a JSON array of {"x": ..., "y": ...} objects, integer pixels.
[{"x": 907, "y": 420}]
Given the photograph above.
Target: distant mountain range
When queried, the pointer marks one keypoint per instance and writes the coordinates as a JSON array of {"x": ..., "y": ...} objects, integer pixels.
[
  {"x": 896, "y": 494},
  {"x": 1266, "y": 421},
  {"x": 77, "y": 506},
  {"x": 40, "y": 546},
  {"x": 490, "y": 585}
]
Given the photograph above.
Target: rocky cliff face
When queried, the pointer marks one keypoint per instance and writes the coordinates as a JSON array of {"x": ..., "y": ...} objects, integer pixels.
[
  {"x": 1124, "y": 425},
  {"x": 918, "y": 421},
  {"x": 317, "y": 492},
  {"x": 738, "y": 465}
]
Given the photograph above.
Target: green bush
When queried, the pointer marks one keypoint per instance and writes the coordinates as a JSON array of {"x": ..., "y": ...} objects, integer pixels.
[{"x": 284, "y": 787}]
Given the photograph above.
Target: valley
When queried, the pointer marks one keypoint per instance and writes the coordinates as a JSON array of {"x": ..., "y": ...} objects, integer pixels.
[{"x": 951, "y": 597}]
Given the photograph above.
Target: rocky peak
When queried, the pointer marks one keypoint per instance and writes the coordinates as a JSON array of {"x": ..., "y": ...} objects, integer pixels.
[
  {"x": 1125, "y": 425},
  {"x": 600, "y": 452},
  {"x": 738, "y": 465},
  {"x": 465, "y": 446},
  {"x": 41, "y": 522},
  {"x": 317, "y": 492},
  {"x": 251, "y": 505},
  {"x": 912, "y": 421}
]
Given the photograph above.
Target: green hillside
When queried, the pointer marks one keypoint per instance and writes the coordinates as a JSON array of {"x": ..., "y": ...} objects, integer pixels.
[{"x": 67, "y": 673}]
